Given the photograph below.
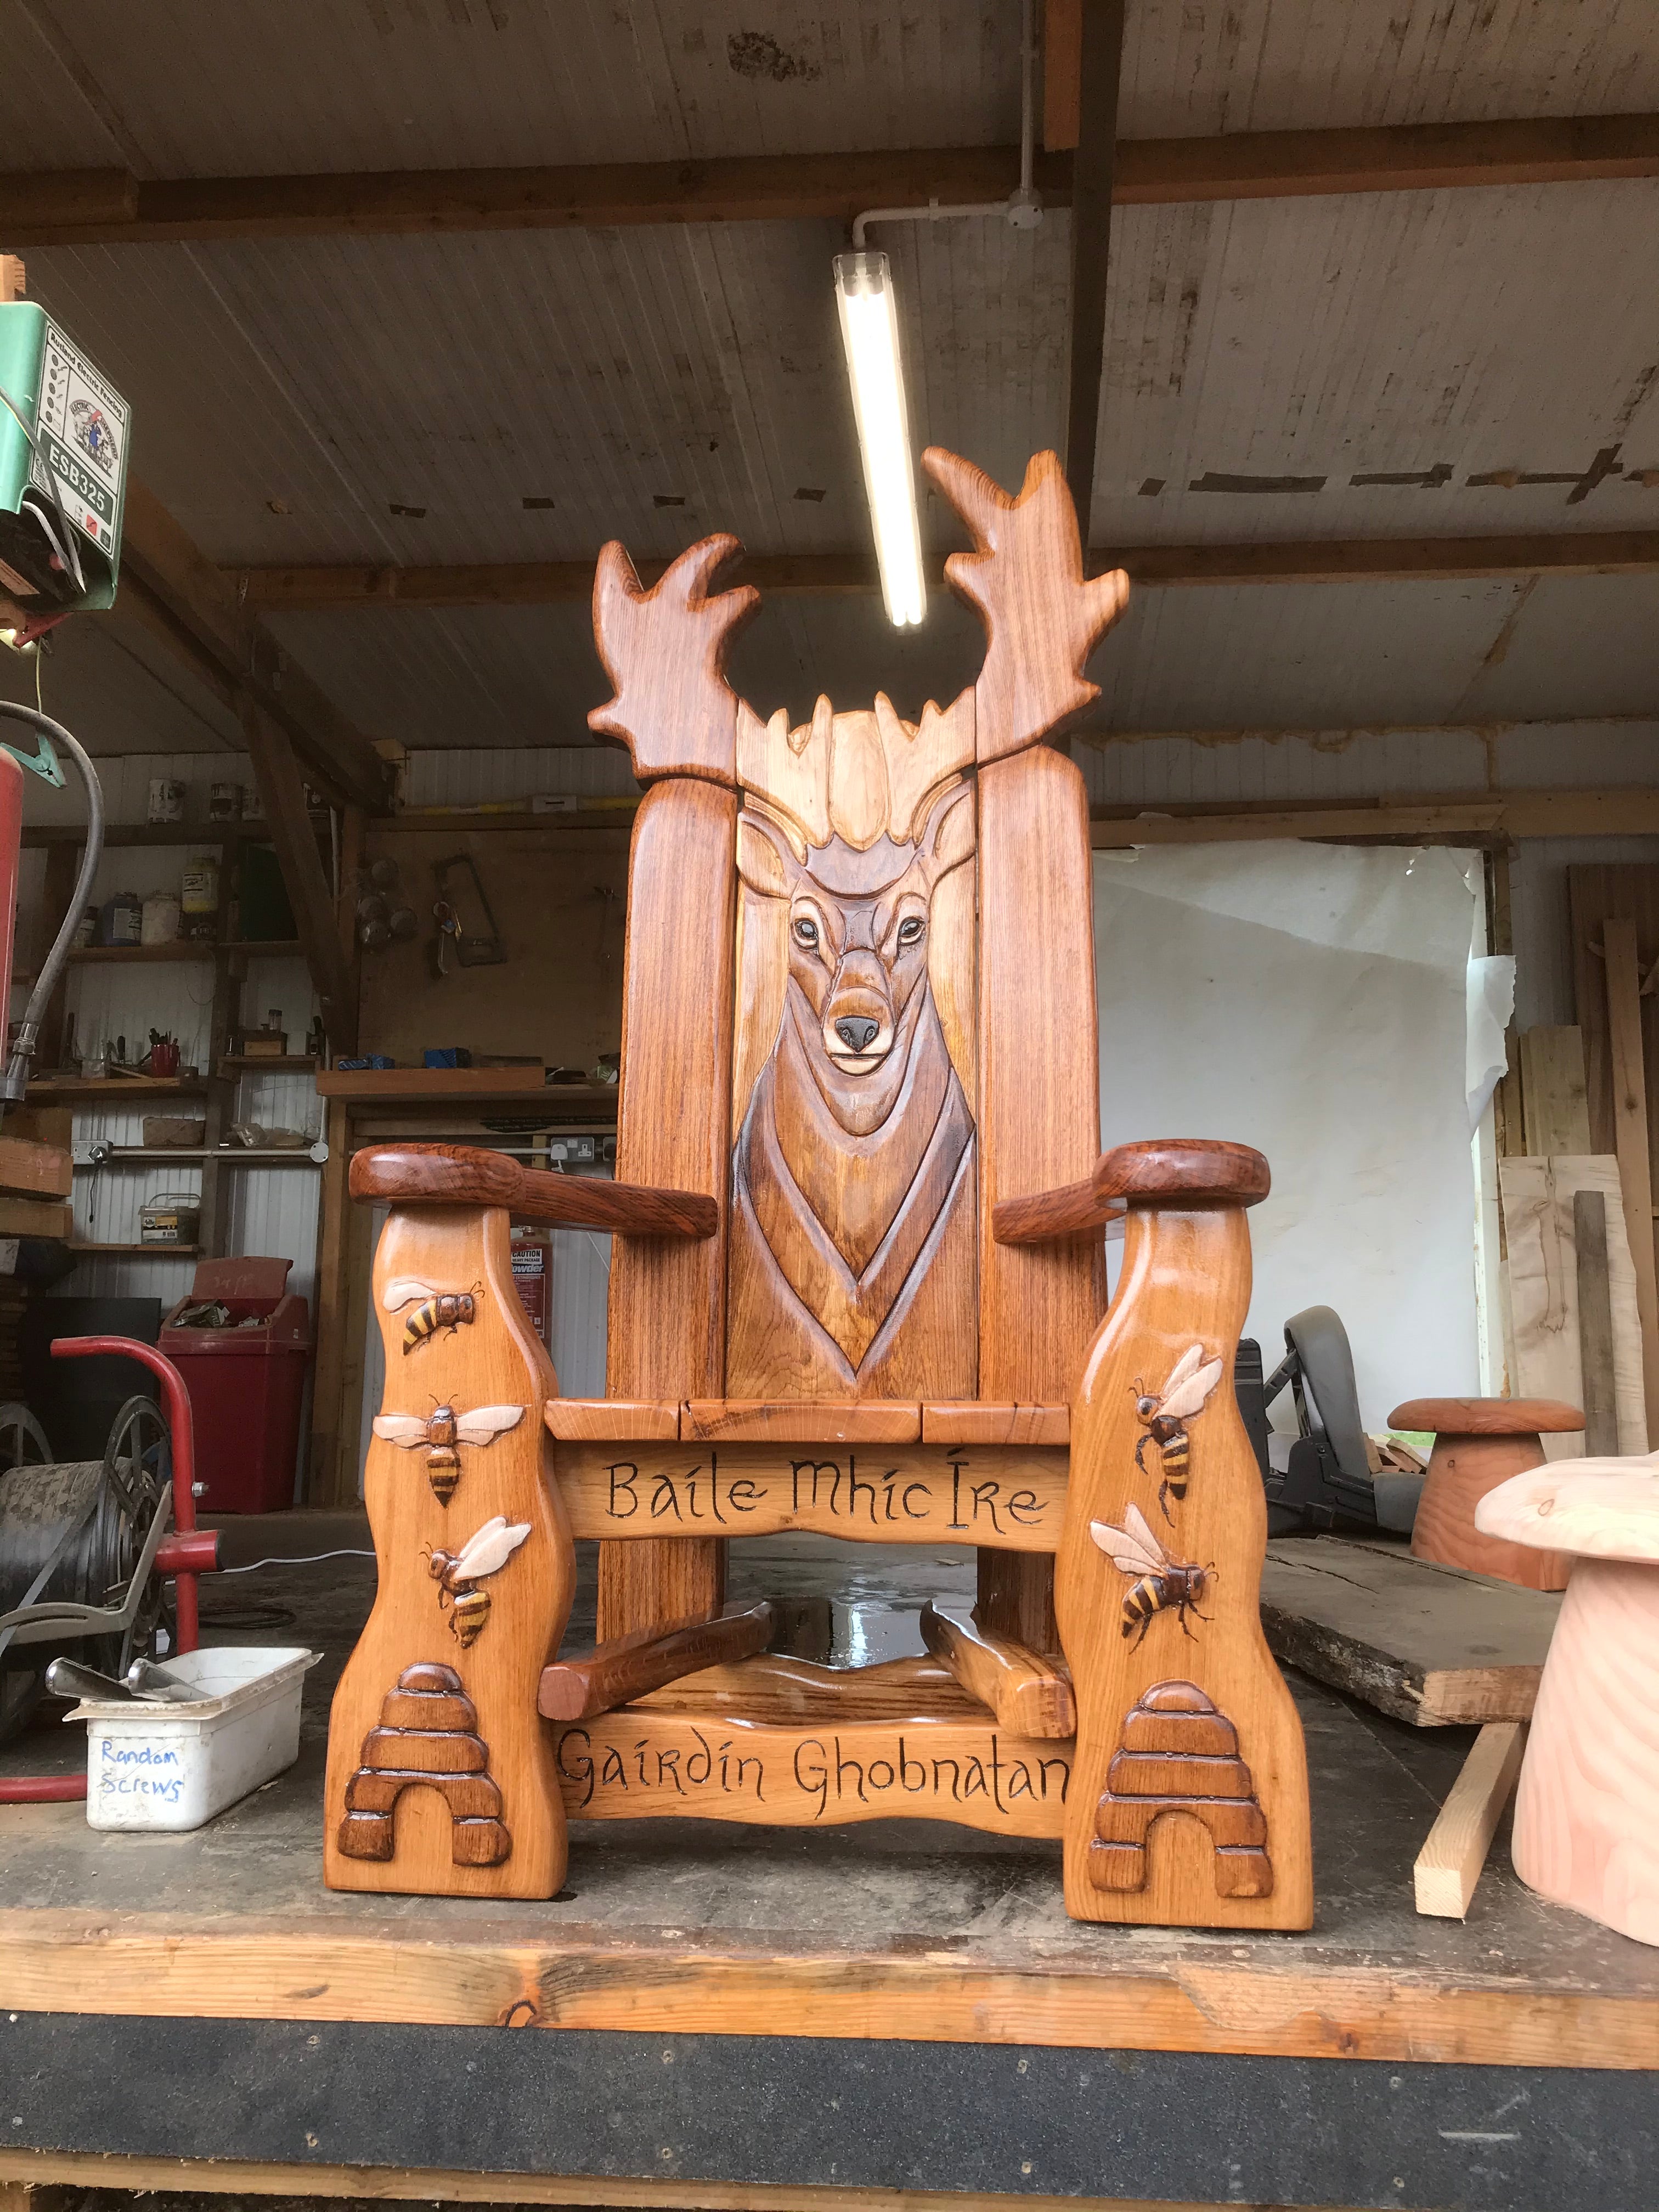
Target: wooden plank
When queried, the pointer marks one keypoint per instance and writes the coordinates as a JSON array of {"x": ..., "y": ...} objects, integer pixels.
[
  {"x": 109, "y": 206},
  {"x": 611, "y": 1674},
  {"x": 643, "y": 1764},
  {"x": 433, "y": 2186},
  {"x": 801, "y": 1421},
  {"x": 31, "y": 1169},
  {"x": 577, "y": 1420},
  {"x": 1554, "y": 1098},
  {"x": 1099, "y": 56},
  {"x": 80, "y": 2170},
  {"x": 34, "y": 1217},
  {"x": 1013, "y": 1495},
  {"x": 1631, "y": 1138},
  {"x": 667, "y": 1313},
  {"x": 162, "y": 1966},
  {"x": 1425, "y": 1643},
  {"x": 320, "y": 588},
  {"x": 1030, "y": 1695},
  {"x": 416, "y": 1086},
  {"x": 1449, "y": 1864},
  {"x": 1537, "y": 1197},
  {"x": 1040, "y": 1114},
  {"x": 1597, "y": 1376},
  {"x": 974, "y": 1421},
  {"x": 439, "y": 1780}
]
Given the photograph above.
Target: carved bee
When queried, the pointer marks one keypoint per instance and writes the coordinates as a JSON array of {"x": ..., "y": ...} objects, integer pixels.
[
  {"x": 1165, "y": 1414},
  {"x": 447, "y": 1309},
  {"x": 441, "y": 1431},
  {"x": 1159, "y": 1580},
  {"x": 457, "y": 1574}
]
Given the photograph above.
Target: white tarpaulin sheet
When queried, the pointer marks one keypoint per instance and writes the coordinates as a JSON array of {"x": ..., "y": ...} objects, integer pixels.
[{"x": 1312, "y": 1000}]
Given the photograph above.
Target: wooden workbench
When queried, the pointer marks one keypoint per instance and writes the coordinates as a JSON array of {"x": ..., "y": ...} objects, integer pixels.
[{"x": 723, "y": 1997}]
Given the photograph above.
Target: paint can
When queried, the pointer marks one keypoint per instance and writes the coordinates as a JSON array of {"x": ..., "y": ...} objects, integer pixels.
[
  {"x": 167, "y": 800},
  {"x": 224, "y": 802}
]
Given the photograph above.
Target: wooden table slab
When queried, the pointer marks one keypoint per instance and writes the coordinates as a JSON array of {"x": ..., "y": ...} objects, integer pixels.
[{"x": 1426, "y": 1643}]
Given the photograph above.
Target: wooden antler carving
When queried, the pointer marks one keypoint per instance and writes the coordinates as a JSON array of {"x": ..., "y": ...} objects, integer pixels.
[
  {"x": 1042, "y": 619},
  {"x": 665, "y": 652}
]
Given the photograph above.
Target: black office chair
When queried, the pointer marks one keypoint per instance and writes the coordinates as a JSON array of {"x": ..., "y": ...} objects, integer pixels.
[{"x": 1327, "y": 1479}]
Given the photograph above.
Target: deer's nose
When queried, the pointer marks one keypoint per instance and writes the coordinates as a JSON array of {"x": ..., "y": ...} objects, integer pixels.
[{"x": 856, "y": 1033}]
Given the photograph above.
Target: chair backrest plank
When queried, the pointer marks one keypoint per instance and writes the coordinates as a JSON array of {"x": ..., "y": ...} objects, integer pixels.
[{"x": 667, "y": 1308}]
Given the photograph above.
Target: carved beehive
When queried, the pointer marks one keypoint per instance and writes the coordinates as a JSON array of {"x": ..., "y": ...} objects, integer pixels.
[
  {"x": 429, "y": 1738},
  {"x": 1178, "y": 1754}
]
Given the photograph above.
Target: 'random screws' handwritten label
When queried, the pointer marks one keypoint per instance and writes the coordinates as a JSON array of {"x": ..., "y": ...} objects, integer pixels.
[
  {"x": 1009, "y": 1496},
  {"x": 151, "y": 1771}
]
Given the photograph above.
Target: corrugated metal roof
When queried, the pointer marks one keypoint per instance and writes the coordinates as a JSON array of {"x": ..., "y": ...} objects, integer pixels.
[
  {"x": 349, "y": 84},
  {"x": 656, "y": 383}
]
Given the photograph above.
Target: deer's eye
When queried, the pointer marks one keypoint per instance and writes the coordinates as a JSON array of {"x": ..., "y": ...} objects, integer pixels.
[
  {"x": 806, "y": 933},
  {"x": 910, "y": 929}
]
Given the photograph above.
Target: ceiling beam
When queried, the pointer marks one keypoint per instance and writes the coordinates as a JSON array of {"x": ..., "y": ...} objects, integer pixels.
[
  {"x": 195, "y": 609},
  {"x": 1431, "y": 814},
  {"x": 1360, "y": 560},
  {"x": 1099, "y": 56},
  {"x": 106, "y": 207}
]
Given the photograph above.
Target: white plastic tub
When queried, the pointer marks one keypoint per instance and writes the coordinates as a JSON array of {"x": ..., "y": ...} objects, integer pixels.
[{"x": 175, "y": 1766}]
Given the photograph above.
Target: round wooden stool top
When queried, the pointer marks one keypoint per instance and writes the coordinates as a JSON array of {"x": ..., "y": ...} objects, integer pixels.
[
  {"x": 1478, "y": 1443},
  {"x": 1488, "y": 1417}
]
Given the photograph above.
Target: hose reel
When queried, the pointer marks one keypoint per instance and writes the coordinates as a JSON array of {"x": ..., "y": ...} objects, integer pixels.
[{"x": 79, "y": 1573}]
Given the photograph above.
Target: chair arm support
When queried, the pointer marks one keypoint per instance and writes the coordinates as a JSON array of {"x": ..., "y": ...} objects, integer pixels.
[
  {"x": 463, "y": 1174},
  {"x": 1175, "y": 1171}
]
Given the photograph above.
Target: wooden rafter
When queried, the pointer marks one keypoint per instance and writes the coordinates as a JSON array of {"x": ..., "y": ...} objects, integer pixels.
[
  {"x": 172, "y": 586},
  {"x": 80, "y": 207},
  {"x": 282, "y": 788},
  {"x": 1355, "y": 561}
]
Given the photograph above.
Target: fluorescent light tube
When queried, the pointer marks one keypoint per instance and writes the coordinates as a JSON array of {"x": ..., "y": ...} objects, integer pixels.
[{"x": 869, "y": 330}]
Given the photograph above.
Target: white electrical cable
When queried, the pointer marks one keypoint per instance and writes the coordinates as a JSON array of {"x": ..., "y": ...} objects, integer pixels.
[{"x": 311, "y": 1558}]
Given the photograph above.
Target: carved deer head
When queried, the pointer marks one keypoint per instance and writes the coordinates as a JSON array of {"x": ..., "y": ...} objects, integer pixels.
[{"x": 857, "y": 935}]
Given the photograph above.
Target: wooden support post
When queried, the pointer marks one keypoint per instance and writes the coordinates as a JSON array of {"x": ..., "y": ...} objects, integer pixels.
[
  {"x": 330, "y": 1415},
  {"x": 62, "y": 866},
  {"x": 1099, "y": 56},
  {"x": 1188, "y": 1797},
  {"x": 1630, "y": 1125},
  {"x": 276, "y": 771},
  {"x": 1449, "y": 1864}
]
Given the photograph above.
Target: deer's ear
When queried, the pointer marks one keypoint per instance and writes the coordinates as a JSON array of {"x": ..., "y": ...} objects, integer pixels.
[
  {"x": 947, "y": 835},
  {"x": 765, "y": 861}
]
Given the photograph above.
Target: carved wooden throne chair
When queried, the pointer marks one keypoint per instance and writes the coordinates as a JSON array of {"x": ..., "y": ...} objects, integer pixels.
[{"x": 857, "y": 1287}]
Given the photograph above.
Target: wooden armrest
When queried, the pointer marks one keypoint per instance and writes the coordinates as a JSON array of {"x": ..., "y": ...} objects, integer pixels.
[
  {"x": 1030, "y": 1695},
  {"x": 1164, "y": 1171},
  {"x": 463, "y": 1174},
  {"x": 613, "y": 1674}
]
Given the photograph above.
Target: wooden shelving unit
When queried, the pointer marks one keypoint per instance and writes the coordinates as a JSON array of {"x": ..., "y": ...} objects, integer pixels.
[
  {"x": 102, "y": 1090},
  {"x": 179, "y": 951},
  {"x": 259, "y": 1063},
  {"x": 424, "y": 1086}
]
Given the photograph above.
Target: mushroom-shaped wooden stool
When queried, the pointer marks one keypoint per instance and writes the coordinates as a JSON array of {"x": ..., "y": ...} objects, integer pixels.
[
  {"x": 1587, "y": 1813},
  {"x": 1478, "y": 1443}
]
